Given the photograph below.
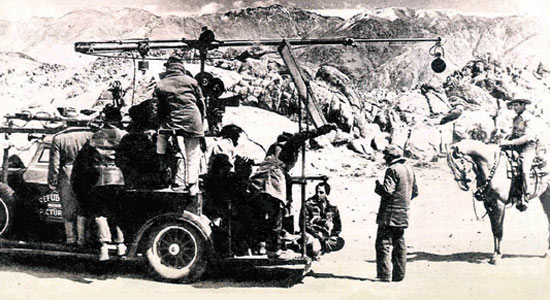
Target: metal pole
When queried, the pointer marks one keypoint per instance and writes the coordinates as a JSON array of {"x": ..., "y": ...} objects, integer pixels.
[
  {"x": 303, "y": 187},
  {"x": 5, "y": 163},
  {"x": 131, "y": 45}
]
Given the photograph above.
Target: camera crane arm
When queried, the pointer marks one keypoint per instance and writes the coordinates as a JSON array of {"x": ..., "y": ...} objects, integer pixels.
[
  {"x": 95, "y": 47},
  {"x": 207, "y": 41}
]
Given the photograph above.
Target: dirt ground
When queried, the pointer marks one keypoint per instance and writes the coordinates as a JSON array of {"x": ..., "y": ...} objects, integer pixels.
[{"x": 448, "y": 253}]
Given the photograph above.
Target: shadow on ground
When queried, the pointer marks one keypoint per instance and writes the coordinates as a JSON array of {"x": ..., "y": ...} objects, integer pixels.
[
  {"x": 470, "y": 257},
  {"x": 87, "y": 271},
  {"x": 334, "y": 276},
  {"x": 77, "y": 270}
]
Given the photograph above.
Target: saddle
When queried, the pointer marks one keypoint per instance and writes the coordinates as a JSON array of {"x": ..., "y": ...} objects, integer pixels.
[{"x": 539, "y": 170}]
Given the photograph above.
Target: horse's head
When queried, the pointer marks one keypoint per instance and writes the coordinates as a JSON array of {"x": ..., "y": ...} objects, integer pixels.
[{"x": 460, "y": 165}]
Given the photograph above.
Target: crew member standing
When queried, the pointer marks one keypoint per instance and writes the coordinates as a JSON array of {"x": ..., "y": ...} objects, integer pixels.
[
  {"x": 63, "y": 151},
  {"x": 104, "y": 203},
  {"x": 182, "y": 109},
  {"x": 271, "y": 186},
  {"x": 396, "y": 192}
]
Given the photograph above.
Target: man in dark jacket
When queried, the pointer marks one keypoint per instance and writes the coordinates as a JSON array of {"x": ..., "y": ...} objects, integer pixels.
[
  {"x": 271, "y": 186},
  {"x": 99, "y": 171},
  {"x": 323, "y": 223},
  {"x": 396, "y": 192},
  {"x": 182, "y": 110}
]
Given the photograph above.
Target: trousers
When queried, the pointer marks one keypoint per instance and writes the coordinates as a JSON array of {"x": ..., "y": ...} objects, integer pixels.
[
  {"x": 270, "y": 214},
  {"x": 107, "y": 213},
  {"x": 188, "y": 167},
  {"x": 391, "y": 252}
]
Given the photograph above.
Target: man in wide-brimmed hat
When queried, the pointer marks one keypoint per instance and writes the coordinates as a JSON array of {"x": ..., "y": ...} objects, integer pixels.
[
  {"x": 396, "y": 191},
  {"x": 523, "y": 139}
]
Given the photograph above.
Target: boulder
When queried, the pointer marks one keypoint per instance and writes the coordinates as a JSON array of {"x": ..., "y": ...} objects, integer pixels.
[
  {"x": 473, "y": 96},
  {"x": 423, "y": 143},
  {"x": 254, "y": 67},
  {"x": 412, "y": 105},
  {"x": 477, "y": 125},
  {"x": 361, "y": 146},
  {"x": 437, "y": 102},
  {"x": 333, "y": 76}
]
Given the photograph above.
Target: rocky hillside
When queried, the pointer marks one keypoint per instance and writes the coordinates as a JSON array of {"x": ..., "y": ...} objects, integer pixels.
[
  {"x": 376, "y": 93},
  {"x": 516, "y": 40}
]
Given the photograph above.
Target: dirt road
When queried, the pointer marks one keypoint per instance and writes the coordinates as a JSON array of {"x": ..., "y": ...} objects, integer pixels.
[{"x": 448, "y": 251}]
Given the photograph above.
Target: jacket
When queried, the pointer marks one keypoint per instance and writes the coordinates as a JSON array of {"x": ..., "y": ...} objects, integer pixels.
[
  {"x": 523, "y": 134},
  {"x": 272, "y": 176},
  {"x": 104, "y": 144},
  {"x": 322, "y": 218},
  {"x": 396, "y": 192},
  {"x": 63, "y": 151},
  {"x": 181, "y": 104}
]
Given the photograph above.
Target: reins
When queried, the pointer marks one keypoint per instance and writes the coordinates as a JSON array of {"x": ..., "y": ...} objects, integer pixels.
[
  {"x": 478, "y": 194},
  {"x": 480, "y": 191}
]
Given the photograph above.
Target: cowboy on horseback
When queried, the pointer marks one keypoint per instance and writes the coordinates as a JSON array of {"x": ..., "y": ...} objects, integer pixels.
[{"x": 524, "y": 140}]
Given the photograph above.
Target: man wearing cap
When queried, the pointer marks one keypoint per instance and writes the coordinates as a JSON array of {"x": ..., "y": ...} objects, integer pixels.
[
  {"x": 181, "y": 109},
  {"x": 396, "y": 192},
  {"x": 524, "y": 140}
]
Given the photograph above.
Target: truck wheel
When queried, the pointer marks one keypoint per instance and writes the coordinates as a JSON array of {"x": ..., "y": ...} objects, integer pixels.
[
  {"x": 6, "y": 209},
  {"x": 176, "y": 252}
]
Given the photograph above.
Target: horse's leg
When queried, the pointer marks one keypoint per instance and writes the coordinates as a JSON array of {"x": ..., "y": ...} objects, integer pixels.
[
  {"x": 495, "y": 210},
  {"x": 545, "y": 201}
]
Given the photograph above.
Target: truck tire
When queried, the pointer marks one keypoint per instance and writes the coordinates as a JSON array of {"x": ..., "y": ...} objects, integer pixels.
[
  {"x": 176, "y": 251},
  {"x": 6, "y": 209}
]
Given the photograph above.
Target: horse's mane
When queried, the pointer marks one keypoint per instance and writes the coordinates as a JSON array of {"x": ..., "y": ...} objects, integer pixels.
[{"x": 476, "y": 148}]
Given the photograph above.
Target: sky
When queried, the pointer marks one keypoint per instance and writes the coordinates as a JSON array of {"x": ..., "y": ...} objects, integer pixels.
[{"x": 22, "y": 9}]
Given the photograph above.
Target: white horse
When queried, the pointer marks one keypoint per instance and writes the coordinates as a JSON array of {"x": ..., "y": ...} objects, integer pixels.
[{"x": 489, "y": 164}]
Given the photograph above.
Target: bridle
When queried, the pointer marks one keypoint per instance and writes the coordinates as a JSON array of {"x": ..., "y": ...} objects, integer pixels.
[
  {"x": 455, "y": 160},
  {"x": 460, "y": 165}
]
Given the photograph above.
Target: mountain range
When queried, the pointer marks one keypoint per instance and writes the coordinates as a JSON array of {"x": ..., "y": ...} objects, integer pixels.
[{"x": 518, "y": 40}]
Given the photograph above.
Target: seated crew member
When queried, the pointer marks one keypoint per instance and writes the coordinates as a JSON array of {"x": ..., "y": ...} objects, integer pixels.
[
  {"x": 323, "y": 223},
  {"x": 271, "y": 186}
]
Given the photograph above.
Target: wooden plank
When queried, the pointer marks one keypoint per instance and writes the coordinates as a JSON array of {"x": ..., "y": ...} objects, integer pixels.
[{"x": 305, "y": 93}]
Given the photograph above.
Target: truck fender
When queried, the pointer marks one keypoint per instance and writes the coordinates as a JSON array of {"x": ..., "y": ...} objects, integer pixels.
[{"x": 201, "y": 223}]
